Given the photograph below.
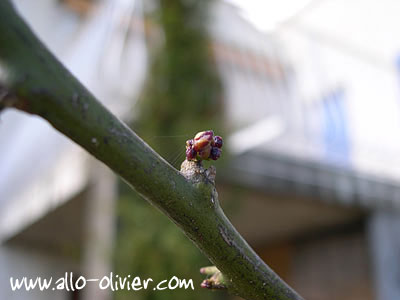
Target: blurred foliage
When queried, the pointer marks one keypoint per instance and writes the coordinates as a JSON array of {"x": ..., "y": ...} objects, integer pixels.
[
  {"x": 183, "y": 93},
  {"x": 182, "y": 96},
  {"x": 149, "y": 245}
]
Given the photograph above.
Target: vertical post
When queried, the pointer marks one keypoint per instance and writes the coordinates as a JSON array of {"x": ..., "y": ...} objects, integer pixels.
[
  {"x": 384, "y": 235},
  {"x": 99, "y": 230}
]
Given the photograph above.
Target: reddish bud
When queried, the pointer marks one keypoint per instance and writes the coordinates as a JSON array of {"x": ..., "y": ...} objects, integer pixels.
[
  {"x": 203, "y": 133},
  {"x": 203, "y": 139},
  {"x": 204, "y": 146},
  {"x": 189, "y": 143},
  {"x": 218, "y": 141},
  {"x": 205, "y": 152},
  {"x": 190, "y": 153},
  {"x": 215, "y": 153}
]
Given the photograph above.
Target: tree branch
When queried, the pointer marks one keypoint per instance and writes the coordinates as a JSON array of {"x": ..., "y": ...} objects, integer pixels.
[{"x": 40, "y": 85}]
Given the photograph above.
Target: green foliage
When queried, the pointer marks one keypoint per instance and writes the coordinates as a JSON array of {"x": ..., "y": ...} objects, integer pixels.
[{"x": 182, "y": 96}]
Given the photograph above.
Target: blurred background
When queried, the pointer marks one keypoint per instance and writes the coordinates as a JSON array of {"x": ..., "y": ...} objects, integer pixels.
[{"x": 306, "y": 94}]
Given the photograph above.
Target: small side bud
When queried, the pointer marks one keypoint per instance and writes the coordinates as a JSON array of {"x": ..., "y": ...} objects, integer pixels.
[
  {"x": 215, "y": 153},
  {"x": 218, "y": 141},
  {"x": 189, "y": 143},
  {"x": 215, "y": 279},
  {"x": 190, "y": 153}
]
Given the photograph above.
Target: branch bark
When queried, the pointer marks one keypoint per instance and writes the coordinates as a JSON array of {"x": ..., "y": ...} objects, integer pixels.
[{"x": 40, "y": 85}]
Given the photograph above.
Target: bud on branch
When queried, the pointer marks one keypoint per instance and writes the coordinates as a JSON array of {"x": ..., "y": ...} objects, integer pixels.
[{"x": 204, "y": 146}]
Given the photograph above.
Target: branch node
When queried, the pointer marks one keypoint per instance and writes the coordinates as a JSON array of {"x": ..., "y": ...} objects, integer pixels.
[{"x": 195, "y": 172}]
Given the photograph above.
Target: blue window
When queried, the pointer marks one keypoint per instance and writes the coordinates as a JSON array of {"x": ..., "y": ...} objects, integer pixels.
[{"x": 335, "y": 131}]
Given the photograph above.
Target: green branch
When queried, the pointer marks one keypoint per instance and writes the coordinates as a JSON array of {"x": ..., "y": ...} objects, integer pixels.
[{"x": 33, "y": 80}]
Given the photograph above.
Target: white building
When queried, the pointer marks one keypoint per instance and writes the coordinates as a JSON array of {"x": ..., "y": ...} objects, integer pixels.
[{"x": 303, "y": 98}]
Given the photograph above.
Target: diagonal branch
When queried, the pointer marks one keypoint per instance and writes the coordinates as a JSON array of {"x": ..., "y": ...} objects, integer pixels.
[{"x": 40, "y": 85}]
